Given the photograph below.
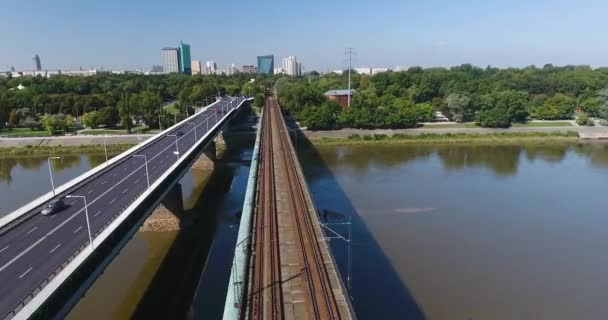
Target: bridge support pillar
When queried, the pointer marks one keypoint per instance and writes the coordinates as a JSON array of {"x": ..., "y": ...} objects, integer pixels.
[
  {"x": 169, "y": 215},
  {"x": 207, "y": 159}
]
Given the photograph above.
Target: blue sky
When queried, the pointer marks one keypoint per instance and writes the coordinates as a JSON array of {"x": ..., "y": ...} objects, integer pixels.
[{"x": 130, "y": 33}]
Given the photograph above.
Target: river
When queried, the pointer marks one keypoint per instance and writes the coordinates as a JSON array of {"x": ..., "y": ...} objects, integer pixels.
[
  {"x": 465, "y": 231},
  {"x": 469, "y": 231}
]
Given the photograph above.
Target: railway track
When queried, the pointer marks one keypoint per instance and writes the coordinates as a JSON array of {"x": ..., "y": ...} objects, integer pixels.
[{"x": 265, "y": 294}]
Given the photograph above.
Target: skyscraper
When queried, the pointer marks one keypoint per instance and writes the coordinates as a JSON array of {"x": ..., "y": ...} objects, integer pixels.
[
  {"x": 184, "y": 58},
  {"x": 291, "y": 66},
  {"x": 170, "y": 58},
  {"x": 196, "y": 67},
  {"x": 266, "y": 64},
  {"x": 37, "y": 65},
  {"x": 211, "y": 67}
]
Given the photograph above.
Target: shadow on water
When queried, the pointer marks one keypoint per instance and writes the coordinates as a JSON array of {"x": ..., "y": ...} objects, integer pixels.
[
  {"x": 170, "y": 292},
  {"x": 376, "y": 290}
]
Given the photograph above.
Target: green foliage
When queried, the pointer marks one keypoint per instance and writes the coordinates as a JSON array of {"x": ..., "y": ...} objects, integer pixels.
[
  {"x": 584, "y": 120},
  {"x": 320, "y": 117},
  {"x": 258, "y": 100},
  {"x": 592, "y": 105},
  {"x": 54, "y": 123},
  {"x": 460, "y": 108},
  {"x": 557, "y": 107},
  {"x": 91, "y": 119},
  {"x": 493, "y": 118}
]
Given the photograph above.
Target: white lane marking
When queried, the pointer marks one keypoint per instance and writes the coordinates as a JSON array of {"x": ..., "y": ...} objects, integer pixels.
[
  {"x": 89, "y": 191},
  {"x": 4, "y": 248},
  {"x": 97, "y": 213},
  {"x": 77, "y": 229},
  {"x": 57, "y": 247},
  {"x": 21, "y": 254},
  {"x": 32, "y": 230},
  {"x": 26, "y": 272},
  {"x": 136, "y": 181},
  {"x": 125, "y": 191},
  {"x": 6, "y": 265}
]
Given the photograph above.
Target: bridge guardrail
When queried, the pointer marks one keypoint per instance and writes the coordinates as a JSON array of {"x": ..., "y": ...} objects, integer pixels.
[
  {"x": 23, "y": 210},
  {"x": 83, "y": 251}
]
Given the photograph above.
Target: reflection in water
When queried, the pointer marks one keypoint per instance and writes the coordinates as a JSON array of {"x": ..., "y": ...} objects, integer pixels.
[
  {"x": 470, "y": 231},
  {"x": 500, "y": 159},
  {"x": 23, "y": 179}
]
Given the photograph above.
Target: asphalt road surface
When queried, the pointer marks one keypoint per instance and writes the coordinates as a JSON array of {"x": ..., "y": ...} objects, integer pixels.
[{"x": 32, "y": 250}]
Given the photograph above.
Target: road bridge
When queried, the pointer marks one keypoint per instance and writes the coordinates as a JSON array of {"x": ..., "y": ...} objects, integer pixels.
[{"x": 48, "y": 262}]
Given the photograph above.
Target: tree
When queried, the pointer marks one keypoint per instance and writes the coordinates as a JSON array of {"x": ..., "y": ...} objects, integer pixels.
[
  {"x": 258, "y": 100},
  {"x": 91, "y": 119},
  {"x": 320, "y": 117},
  {"x": 459, "y": 107},
  {"x": 125, "y": 112},
  {"x": 560, "y": 106},
  {"x": 54, "y": 123},
  {"x": 493, "y": 118},
  {"x": 3, "y": 117},
  {"x": 592, "y": 105},
  {"x": 584, "y": 120}
]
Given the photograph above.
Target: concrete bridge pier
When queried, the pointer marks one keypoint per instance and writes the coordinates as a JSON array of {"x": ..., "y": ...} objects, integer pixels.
[
  {"x": 207, "y": 159},
  {"x": 169, "y": 215}
]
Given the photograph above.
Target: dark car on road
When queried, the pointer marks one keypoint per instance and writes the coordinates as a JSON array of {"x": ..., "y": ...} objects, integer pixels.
[{"x": 53, "y": 207}]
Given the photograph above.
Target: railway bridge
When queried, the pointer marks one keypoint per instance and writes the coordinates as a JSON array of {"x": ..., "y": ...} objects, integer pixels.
[{"x": 283, "y": 267}]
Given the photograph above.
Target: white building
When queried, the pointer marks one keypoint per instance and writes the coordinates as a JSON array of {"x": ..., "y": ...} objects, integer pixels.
[
  {"x": 211, "y": 67},
  {"x": 291, "y": 66},
  {"x": 232, "y": 69},
  {"x": 170, "y": 58},
  {"x": 196, "y": 67}
]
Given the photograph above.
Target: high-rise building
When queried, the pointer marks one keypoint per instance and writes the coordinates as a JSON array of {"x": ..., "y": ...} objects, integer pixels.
[
  {"x": 266, "y": 64},
  {"x": 157, "y": 69},
  {"x": 232, "y": 69},
  {"x": 211, "y": 67},
  {"x": 170, "y": 58},
  {"x": 248, "y": 69},
  {"x": 184, "y": 58},
  {"x": 37, "y": 65},
  {"x": 291, "y": 66},
  {"x": 196, "y": 67}
]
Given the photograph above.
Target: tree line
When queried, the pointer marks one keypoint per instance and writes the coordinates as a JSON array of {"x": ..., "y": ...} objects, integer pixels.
[
  {"x": 490, "y": 97},
  {"x": 60, "y": 103}
]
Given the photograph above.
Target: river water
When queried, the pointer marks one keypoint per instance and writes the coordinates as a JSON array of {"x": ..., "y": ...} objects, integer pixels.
[
  {"x": 469, "y": 231},
  {"x": 438, "y": 232}
]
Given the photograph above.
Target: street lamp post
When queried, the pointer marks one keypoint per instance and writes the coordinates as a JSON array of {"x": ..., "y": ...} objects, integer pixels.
[
  {"x": 146, "y": 162},
  {"x": 175, "y": 118},
  {"x": 160, "y": 126},
  {"x": 51, "y": 173},
  {"x": 195, "y": 135},
  {"x": 176, "y": 145},
  {"x": 105, "y": 150},
  {"x": 86, "y": 212}
]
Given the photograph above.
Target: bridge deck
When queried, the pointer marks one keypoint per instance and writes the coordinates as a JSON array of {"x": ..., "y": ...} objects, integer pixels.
[
  {"x": 291, "y": 272},
  {"x": 37, "y": 249}
]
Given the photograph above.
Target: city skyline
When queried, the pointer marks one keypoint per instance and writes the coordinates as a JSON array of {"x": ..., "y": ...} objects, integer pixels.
[{"x": 385, "y": 34}]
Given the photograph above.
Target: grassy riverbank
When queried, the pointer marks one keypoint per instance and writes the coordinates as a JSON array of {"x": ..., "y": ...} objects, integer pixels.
[
  {"x": 59, "y": 150},
  {"x": 503, "y": 137}
]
